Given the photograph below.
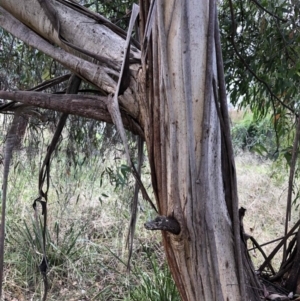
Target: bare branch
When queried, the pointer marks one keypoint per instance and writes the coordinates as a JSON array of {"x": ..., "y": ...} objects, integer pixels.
[
  {"x": 79, "y": 26},
  {"x": 86, "y": 70},
  {"x": 50, "y": 83},
  {"x": 94, "y": 107}
]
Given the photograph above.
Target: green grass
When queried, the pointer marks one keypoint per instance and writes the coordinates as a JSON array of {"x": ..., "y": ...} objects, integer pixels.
[{"x": 88, "y": 217}]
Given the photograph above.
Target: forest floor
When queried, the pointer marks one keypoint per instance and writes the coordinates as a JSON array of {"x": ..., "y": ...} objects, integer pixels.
[{"x": 87, "y": 230}]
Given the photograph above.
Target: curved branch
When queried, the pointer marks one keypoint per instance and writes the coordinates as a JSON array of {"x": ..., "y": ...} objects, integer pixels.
[
  {"x": 269, "y": 12},
  {"x": 94, "y": 107}
]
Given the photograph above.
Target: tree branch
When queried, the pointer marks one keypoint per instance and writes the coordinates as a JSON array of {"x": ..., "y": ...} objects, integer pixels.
[
  {"x": 50, "y": 83},
  {"x": 100, "y": 76},
  {"x": 100, "y": 19},
  {"x": 269, "y": 12},
  {"x": 94, "y": 107}
]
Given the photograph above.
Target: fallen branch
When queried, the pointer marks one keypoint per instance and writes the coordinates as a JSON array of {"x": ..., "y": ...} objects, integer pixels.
[{"x": 276, "y": 249}]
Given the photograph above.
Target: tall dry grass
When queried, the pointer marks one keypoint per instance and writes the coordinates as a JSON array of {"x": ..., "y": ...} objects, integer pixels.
[{"x": 264, "y": 195}]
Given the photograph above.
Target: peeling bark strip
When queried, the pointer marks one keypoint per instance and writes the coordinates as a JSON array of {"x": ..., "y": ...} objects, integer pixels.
[
  {"x": 248, "y": 282},
  {"x": 164, "y": 223},
  {"x": 134, "y": 204},
  {"x": 114, "y": 110},
  {"x": 291, "y": 184},
  {"x": 44, "y": 178}
]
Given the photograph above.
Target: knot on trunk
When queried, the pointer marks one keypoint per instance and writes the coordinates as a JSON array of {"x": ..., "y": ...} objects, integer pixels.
[{"x": 164, "y": 223}]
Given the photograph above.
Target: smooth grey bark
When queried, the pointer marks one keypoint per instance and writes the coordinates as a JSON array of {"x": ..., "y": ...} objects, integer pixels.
[{"x": 184, "y": 149}]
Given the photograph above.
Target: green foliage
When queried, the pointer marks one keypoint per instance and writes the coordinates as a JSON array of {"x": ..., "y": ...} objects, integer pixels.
[
  {"x": 117, "y": 175},
  {"x": 23, "y": 67},
  {"x": 261, "y": 51},
  {"x": 87, "y": 213},
  {"x": 255, "y": 135},
  {"x": 269, "y": 47}
]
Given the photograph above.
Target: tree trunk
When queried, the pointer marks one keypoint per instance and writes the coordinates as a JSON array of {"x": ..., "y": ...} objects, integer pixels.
[
  {"x": 183, "y": 136},
  {"x": 177, "y": 109}
]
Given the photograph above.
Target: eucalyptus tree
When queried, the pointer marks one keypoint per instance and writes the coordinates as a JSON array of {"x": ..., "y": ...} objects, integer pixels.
[{"x": 168, "y": 89}]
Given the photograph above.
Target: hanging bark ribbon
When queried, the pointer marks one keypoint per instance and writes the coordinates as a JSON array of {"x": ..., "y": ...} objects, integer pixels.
[{"x": 44, "y": 179}]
